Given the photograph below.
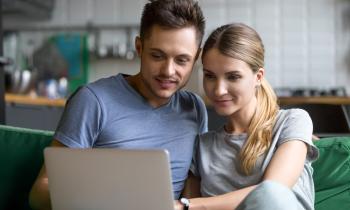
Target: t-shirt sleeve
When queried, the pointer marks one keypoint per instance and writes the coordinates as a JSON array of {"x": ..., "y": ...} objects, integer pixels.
[
  {"x": 194, "y": 163},
  {"x": 81, "y": 120},
  {"x": 202, "y": 115},
  {"x": 298, "y": 126}
]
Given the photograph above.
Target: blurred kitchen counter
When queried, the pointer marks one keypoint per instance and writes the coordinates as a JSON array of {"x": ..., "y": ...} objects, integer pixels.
[
  {"x": 43, "y": 101},
  {"x": 29, "y": 100},
  {"x": 290, "y": 100},
  {"x": 44, "y": 113}
]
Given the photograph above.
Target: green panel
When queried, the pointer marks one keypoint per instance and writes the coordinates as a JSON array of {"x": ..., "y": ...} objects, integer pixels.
[
  {"x": 75, "y": 82},
  {"x": 74, "y": 49},
  {"x": 21, "y": 157}
]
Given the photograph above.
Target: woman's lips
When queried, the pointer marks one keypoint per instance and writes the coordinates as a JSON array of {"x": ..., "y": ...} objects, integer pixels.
[{"x": 223, "y": 102}]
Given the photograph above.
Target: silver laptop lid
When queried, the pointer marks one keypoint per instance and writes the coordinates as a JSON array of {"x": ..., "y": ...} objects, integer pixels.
[{"x": 108, "y": 179}]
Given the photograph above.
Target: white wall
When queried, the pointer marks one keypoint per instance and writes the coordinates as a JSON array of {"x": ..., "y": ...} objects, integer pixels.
[{"x": 307, "y": 41}]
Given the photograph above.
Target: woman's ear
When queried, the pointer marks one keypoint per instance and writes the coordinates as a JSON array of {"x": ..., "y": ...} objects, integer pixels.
[
  {"x": 260, "y": 75},
  {"x": 138, "y": 46}
]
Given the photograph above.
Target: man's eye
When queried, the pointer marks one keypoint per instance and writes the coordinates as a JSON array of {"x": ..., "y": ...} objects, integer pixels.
[
  {"x": 156, "y": 56},
  {"x": 182, "y": 61}
]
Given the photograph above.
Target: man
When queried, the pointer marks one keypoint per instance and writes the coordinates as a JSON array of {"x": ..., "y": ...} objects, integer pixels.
[{"x": 146, "y": 110}]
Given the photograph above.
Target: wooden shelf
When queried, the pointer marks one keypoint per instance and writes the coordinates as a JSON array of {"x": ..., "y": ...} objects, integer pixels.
[
  {"x": 29, "y": 100},
  {"x": 335, "y": 100}
]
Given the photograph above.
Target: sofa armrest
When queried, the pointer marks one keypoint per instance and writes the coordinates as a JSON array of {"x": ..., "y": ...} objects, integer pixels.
[{"x": 21, "y": 157}]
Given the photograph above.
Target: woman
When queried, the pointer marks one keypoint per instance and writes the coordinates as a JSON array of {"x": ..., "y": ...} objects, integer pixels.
[{"x": 261, "y": 158}]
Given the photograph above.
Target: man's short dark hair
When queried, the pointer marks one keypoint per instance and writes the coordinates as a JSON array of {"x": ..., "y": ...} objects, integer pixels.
[{"x": 172, "y": 14}]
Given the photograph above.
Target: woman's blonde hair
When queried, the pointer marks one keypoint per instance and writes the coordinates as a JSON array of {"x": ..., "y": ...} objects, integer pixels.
[{"x": 241, "y": 42}]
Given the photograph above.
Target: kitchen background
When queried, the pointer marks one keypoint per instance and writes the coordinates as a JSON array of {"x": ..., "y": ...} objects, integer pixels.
[{"x": 65, "y": 43}]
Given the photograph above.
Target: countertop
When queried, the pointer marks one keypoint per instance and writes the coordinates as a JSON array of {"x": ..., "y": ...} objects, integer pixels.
[
  {"x": 29, "y": 100},
  {"x": 336, "y": 100}
]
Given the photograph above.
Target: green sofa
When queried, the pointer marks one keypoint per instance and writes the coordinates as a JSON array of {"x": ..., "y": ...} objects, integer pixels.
[
  {"x": 21, "y": 157},
  {"x": 332, "y": 174}
]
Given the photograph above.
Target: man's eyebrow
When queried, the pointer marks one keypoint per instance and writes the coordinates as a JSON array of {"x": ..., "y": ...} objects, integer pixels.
[
  {"x": 180, "y": 55},
  {"x": 185, "y": 55},
  {"x": 156, "y": 49}
]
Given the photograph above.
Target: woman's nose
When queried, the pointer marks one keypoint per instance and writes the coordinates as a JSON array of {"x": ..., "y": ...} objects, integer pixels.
[{"x": 220, "y": 88}]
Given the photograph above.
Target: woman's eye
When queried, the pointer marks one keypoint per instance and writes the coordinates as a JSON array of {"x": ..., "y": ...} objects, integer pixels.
[{"x": 233, "y": 77}]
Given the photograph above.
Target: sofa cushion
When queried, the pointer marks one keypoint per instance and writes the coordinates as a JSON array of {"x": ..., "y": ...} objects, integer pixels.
[
  {"x": 21, "y": 157},
  {"x": 332, "y": 173}
]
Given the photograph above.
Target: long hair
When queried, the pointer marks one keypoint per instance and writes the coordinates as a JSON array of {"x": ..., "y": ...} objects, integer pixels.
[
  {"x": 172, "y": 14},
  {"x": 241, "y": 42}
]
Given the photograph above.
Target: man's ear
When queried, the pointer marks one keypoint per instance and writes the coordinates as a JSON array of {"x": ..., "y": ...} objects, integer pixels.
[{"x": 138, "y": 46}]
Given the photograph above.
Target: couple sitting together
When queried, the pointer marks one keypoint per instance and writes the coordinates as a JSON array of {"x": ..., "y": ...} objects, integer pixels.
[{"x": 260, "y": 159}]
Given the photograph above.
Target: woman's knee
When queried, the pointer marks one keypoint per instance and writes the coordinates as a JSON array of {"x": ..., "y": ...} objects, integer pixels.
[{"x": 270, "y": 195}]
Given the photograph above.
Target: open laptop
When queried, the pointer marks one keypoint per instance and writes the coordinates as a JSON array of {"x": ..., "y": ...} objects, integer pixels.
[{"x": 109, "y": 179}]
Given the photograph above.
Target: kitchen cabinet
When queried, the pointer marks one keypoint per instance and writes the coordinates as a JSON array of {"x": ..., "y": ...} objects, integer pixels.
[
  {"x": 35, "y": 113},
  {"x": 33, "y": 116},
  {"x": 2, "y": 75},
  {"x": 330, "y": 114},
  {"x": 33, "y": 9}
]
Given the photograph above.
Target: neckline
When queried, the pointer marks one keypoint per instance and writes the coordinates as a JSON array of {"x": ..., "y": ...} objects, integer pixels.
[{"x": 239, "y": 136}]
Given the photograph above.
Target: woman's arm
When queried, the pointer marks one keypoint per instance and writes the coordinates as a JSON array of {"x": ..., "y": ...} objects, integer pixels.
[
  {"x": 285, "y": 167},
  {"x": 226, "y": 201},
  {"x": 222, "y": 202},
  {"x": 287, "y": 163}
]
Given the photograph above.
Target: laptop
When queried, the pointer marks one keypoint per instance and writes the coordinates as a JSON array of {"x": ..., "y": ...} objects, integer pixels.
[{"x": 109, "y": 179}]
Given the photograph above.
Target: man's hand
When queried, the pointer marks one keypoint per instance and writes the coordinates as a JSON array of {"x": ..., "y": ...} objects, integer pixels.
[{"x": 178, "y": 205}]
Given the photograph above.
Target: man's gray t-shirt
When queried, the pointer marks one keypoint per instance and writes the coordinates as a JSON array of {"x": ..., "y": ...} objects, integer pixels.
[
  {"x": 216, "y": 160},
  {"x": 109, "y": 113}
]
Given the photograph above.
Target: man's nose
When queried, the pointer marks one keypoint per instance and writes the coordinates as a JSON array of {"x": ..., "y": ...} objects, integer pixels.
[{"x": 168, "y": 68}]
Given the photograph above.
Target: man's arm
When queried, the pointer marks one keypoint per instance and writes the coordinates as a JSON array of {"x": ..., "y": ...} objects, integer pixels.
[
  {"x": 39, "y": 197},
  {"x": 192, "y": 187}
]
